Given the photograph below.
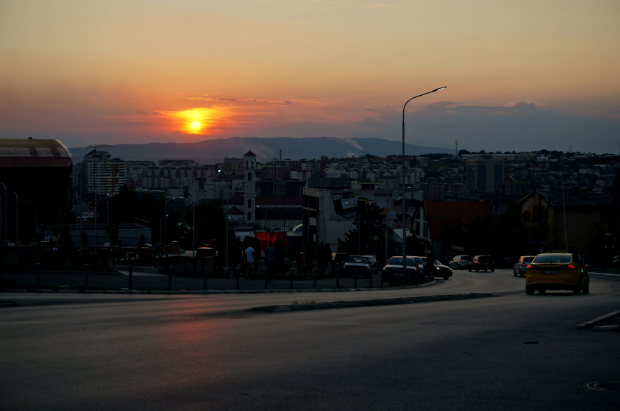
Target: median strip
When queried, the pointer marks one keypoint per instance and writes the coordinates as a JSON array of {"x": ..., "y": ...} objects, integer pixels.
[
  {"x": 366, "y": 303},
  {"x": 596, "y": 320}
]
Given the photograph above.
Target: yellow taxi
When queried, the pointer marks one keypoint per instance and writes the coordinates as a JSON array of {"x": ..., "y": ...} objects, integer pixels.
[{"x": 556, "y": 271}]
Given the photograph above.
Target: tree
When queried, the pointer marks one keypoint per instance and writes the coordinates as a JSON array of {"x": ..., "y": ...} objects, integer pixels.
[
  {"x": 112, "y": 231},
  {"x": 210, "y": 226},
  {"x": 414, "y": 245},
  {"x": 373, "y": 230},
  {"x": 66, "y": 247}
]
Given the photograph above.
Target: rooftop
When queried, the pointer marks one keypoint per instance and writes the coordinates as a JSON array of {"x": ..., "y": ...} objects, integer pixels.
[{"x": 22, "y": 152}]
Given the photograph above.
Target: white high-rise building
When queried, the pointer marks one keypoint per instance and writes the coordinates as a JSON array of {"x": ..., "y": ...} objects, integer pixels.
[{"x": 102, "y": 173}]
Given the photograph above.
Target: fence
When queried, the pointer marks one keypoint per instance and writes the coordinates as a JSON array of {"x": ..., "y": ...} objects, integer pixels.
[
  {"x": 205, "y": 278},
  {"x": 103, "y": 239}
]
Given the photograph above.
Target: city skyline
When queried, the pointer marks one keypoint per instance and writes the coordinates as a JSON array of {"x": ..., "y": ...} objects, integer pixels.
[{"x": 520, "y": 75}]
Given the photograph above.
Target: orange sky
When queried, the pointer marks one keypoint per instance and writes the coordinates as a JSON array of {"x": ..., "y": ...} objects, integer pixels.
[{"x": 120, "y": 71}]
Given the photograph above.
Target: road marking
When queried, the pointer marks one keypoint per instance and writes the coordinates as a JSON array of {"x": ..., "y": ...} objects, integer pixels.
[{"x": 590, "y": 323}]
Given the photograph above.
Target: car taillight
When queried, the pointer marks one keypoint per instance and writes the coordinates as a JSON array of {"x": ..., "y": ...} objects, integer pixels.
[
  {"x": 523, "y": 264},
  {"x": 461, "y": 261},
  {"x": 567, "y": 267},
  {"x": 532, "y": 267},
  {"x": 492, "y": 262}
]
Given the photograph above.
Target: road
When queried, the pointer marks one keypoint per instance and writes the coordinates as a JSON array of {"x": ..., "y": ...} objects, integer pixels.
[{"x": 195, "y": 352}]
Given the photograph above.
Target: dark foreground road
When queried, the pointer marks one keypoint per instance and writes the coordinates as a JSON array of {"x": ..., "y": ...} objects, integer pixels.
[{"x": 139, "y": 352}]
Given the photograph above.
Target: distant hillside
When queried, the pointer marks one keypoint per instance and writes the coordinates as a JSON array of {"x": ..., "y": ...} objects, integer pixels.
[{"x": 213, "y": 151}]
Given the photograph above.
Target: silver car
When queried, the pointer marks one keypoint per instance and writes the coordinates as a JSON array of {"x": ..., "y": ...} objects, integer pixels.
[
  {"x": 520, "y": 266},
  {"x": 359, "y": 264},
  {"x": 460, "y": 262}
]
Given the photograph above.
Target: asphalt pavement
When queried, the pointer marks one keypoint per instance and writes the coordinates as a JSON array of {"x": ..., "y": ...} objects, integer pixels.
[{"x": 191, "y": 352}]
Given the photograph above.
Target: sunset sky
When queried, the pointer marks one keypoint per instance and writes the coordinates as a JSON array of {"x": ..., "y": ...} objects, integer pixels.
[{"x": 520, "y": 75}]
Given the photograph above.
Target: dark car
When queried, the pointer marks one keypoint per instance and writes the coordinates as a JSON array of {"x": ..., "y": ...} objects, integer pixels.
[
  {"x": 482, "y": 262},
  {"x": 509, "y": 261},
  {"x": 442, "y": 271},
  {"x": 358, "y": 263},
  {"x": 393, "y": 270},
  {"x": 520, "y": 266},
  {"x": 374, "y": 264},
  {"x": 460, "y": 262},
  {"x": 340, "y": 257}
]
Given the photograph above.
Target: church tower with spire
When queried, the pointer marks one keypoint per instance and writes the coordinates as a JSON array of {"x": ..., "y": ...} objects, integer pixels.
[{"x": 249, "y": 188}]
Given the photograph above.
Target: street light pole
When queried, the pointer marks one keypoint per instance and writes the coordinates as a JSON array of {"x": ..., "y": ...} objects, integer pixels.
[
  {"x": 160, "y": 226},
  {"x": 564, "y": 205},
  {"x": 220, "y": 172},
  {"x": 96, "y": 226},
  {"x": 403, "y": 176},
  {"x": 6, "y": 220},
  {"x": 193, "y": 225},
  {"x": 16, "y": 218},
  {"x": 359, "y": 229},
  {"x": 166, "y": 211}
]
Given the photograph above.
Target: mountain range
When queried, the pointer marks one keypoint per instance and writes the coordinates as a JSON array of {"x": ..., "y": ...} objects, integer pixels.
[{"x": 214, "y": 151}]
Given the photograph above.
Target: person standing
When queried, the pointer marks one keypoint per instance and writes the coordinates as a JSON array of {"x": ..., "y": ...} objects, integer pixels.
[
  {"x": 249, "y": 258},
  {"x": 157, "y": 249}
]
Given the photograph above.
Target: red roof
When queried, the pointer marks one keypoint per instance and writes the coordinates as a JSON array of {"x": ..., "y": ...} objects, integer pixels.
[
  {"x": 465, "y": 211},
  {"x": 439, "y": 226},
  {"x": 234, "y": 211},
  {"x": 442, "y": 215},
  {"x": 249, "y": 153}
]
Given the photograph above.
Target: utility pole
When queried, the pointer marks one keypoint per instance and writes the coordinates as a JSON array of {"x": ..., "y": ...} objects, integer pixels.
[{"x": 564, "y": 206}]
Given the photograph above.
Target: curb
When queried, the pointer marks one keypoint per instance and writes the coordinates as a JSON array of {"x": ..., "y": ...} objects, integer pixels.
[
  {"x": 596, "y": 320},
  {"x": 9, "y": 304},
  {"x": 607, "y": 328},
  {"x": 366, "y": 303},
  {"x": 247, "y": 291}
]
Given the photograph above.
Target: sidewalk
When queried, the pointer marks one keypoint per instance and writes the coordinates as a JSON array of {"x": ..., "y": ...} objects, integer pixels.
[{"x": 159, "y": 282}]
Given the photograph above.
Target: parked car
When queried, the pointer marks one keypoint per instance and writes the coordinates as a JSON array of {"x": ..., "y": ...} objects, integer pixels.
[
  {"x": 374, "y": 264},
  {"x": 394, "y": 269},
  {"x": 482, "y": 262},
  {"x": 556, "y": 271},
  {"x": 520, "y": 266},
  {"x": 359, "y": 263},
  {"x": 340, "y": 257},
  {"x": 460, "y": 262},
  {"x": 442, "y": 271}
]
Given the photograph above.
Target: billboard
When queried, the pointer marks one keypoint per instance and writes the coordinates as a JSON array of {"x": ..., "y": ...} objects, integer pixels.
[
  {"x": 266, "y": 238},
  {"x": 343, "y": 206}
]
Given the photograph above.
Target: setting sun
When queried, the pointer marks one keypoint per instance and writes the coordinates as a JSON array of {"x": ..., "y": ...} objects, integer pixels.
[{"x": 196, "y": 120}]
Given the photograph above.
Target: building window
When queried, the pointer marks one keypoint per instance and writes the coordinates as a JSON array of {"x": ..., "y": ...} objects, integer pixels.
[
  {"x": 250, "y": 176},
  {"x": 249, "y": 203},
  {"x": 249, "y": 216}
]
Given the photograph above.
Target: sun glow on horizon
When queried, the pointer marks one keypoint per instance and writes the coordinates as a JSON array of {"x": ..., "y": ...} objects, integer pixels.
[{"x": 195, "y": 120}]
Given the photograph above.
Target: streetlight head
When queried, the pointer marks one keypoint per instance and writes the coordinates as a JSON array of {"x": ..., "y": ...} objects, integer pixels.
[{"x": 440, "y": 88}]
